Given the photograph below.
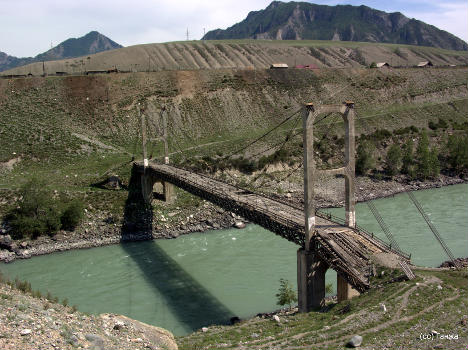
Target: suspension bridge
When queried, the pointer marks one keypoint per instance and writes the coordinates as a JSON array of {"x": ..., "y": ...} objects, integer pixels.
[{"x": 324, "y": 241}]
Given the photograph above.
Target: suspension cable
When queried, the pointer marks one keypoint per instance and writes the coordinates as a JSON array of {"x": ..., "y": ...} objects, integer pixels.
[{"x": 264, "y": 135}]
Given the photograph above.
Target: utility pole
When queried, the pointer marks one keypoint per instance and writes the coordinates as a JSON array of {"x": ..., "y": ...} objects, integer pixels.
[{"x": 187, "y": 34}]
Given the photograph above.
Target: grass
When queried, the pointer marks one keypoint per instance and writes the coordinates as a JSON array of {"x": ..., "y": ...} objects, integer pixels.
[
  {"x": 333, "y": 328},
  {"x": 39, "y": 119}
]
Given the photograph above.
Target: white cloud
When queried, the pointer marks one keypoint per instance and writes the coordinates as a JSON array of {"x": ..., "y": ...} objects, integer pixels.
[{"x": 449, "y": 16}]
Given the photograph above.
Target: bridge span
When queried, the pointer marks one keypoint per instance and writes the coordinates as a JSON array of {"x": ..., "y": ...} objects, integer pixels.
[
  {"x": 324, "y": 242},
  {"x": 348, "y": 251}
]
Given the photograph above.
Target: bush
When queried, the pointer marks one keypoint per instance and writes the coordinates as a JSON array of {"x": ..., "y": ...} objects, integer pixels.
[
  {"x": 72, "y": 215},
  {"x": 286, "y": 294},
  {"x": 365, "y": 157},
  {"x": 408, "y": 158},
  {"x": 423, "y": 167},
  {"x": 36, "y": 213},
  {"x": 393, "y": 160},
  {"x": 457, "y": 158}
]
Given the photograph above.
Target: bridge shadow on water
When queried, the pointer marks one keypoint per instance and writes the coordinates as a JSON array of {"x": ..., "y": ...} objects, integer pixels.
[{"x": 191, "y": 303}]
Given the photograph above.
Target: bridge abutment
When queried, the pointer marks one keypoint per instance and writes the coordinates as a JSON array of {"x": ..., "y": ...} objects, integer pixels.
[
  {"x": 344, "y": 290},
  {"x": 310, "y": 280},
  {"x": 147, "y": 186}
]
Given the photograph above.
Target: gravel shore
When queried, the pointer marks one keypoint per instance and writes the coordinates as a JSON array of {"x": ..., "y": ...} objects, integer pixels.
[{"x": 96, "y": 230}]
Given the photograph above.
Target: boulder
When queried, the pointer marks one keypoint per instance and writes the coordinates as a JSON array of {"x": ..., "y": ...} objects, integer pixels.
[
  {"x": 234, "y": 320},
  {"x": 6, "y": 242},
  {"x": 355, "y": 341},
  {"x": 25, "y": 332},
  {"x": 383, "y": 307},
  {"x": 114, "y": 182},
  {"x": 158, "y": 337},
  {"x": 119, "y": 325},
  {"x": 239, "y": 224}
]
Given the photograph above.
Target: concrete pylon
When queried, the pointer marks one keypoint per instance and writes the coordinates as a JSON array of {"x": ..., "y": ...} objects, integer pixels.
[
  {"x": 310, "y": 269},
  {"x": 168, "y": 189},
  {"x": 344, "y": 290},
  {"x": 311, "y": 280}
]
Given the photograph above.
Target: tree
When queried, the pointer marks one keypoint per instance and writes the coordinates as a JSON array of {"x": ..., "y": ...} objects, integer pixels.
[
  {"x": 408, "y": 158},
  {"x": 72, "y": 215},
  {"x": 434, "y": 164},
  {"x": 393, "y": 160},
  {"x": 286, "y": 294},
  {"x": 423, "y": 166},
  {"x": 365, "y": 157},
  {"x": 36, "y": 212},
  {"x": 457, "y": 157}
]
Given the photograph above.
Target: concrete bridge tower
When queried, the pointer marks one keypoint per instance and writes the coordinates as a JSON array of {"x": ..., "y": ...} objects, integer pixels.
[{"x": 310, "y": 268}]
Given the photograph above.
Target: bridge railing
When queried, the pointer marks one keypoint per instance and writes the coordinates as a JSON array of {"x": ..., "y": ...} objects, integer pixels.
[
  {"x": 258, "y": 208},
  {"x": 338, "y": 220},
  {"x": 318, "y": 212}
]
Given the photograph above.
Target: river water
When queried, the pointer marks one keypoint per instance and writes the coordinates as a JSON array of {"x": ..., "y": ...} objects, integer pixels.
[{"x": 205, "y": 278}]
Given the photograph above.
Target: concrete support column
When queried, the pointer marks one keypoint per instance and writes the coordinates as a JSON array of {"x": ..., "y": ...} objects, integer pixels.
[
  {"x": 309, "y": 173},
  {"x": 147, "y": 183},
  {"x": 349, "y": 173},
  {"x": 310, "y": 280},
  {"x": 168, "y": 192},
  {"x": 344, "y": 290}
]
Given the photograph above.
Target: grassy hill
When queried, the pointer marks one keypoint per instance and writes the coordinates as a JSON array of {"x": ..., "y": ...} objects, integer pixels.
[
  {"x": 435, "y": 301},
  {"x": 247, "y": 54},
  {"x": 72, "y": 131}
]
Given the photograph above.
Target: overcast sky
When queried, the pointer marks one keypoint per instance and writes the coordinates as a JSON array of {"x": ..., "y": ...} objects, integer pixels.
[{"x": 30, "y": 27}]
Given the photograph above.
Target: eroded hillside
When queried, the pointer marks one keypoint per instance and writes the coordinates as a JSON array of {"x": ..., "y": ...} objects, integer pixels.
[{"x": 246, "y": 54}]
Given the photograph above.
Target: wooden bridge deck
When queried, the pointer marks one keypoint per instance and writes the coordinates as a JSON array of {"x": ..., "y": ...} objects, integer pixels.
[{"x": 347, "y": 251}]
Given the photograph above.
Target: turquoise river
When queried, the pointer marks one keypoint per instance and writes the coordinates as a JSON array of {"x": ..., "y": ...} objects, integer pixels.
[{"x": 204, "y": 278}]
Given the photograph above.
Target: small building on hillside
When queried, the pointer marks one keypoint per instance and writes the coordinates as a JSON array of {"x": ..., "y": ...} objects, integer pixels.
[
  {"x": 278, "y": 66},
  {"x": 425, "y": 64}
]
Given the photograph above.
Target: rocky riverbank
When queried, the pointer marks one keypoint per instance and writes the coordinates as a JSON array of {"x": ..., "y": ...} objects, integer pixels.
[
  {"x": 98, "y": 229},
  {"x": 28, "y": 322}
]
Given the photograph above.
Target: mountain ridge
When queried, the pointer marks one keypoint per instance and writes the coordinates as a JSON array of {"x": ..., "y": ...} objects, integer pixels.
[
  {"x": 91, "y": 43},
  {"x": 306, "y": 21}
]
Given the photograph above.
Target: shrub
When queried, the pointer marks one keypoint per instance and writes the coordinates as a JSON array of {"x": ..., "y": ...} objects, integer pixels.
[
  {"x": 432, "y": 125},
  {"x": 36, "y": 213},
  {"x": 365, "y": 157},
  {"x": 408, "y": 158},
  {"x": 457, "y": 147},
  {"x": 423, "y": 167},
  {"x": 393, "y": 160},
  {"x": 286, "y": 294},
  {"x": 72, "y": 215}
]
